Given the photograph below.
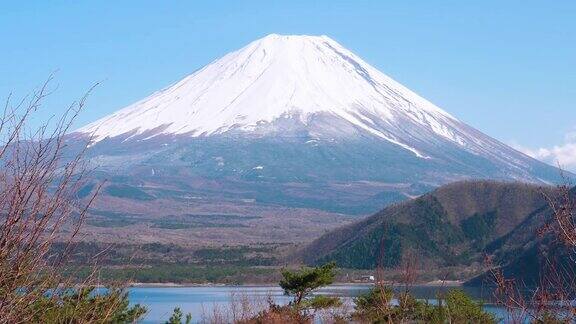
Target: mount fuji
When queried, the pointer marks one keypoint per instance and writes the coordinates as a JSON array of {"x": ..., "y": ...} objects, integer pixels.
[{"x": 298, "y": 122}]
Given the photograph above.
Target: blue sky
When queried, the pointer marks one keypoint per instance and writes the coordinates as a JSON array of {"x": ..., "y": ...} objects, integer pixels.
[{"x": 507, "y": 68}]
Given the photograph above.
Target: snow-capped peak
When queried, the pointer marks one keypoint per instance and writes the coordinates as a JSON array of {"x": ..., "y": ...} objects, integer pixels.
[{"x": 277, "y": 77}]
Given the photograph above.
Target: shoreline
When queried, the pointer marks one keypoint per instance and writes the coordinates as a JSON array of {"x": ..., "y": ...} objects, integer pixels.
[{"x": 436, "y": 283}]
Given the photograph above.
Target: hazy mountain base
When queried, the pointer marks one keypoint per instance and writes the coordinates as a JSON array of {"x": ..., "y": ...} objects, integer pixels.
[
  {"x": 297, "y": 186},
  {"x": 192, "y": 223},
  {"x": 354, "y": 176}
]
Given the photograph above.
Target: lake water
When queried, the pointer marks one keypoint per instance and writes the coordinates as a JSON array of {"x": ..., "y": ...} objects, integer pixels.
[{"x": 202, "y": 301}]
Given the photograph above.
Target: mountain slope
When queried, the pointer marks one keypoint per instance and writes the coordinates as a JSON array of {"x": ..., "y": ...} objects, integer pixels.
[
  {"x": 528, "y": 253},
  {"x": 295, "y": 121},
  {"x": 454, "y": 225}
]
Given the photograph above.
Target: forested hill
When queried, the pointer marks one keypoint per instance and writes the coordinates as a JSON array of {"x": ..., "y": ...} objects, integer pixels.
[{"x": 455, "y": 225}]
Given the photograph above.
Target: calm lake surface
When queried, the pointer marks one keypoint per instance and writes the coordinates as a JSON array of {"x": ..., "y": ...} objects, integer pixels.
[{"x": 200, "y": 301}]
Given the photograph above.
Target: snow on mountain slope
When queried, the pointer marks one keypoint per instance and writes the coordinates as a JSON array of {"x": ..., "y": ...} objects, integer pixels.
[
  {"x": 295, "y": 121},
  {"x": 296, "y": 77}
]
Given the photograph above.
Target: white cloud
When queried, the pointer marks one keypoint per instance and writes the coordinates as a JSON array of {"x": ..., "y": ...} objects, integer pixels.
[{"x": 563, "y": 154}]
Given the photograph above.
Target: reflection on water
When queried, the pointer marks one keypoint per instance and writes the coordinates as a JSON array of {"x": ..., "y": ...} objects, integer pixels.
[{"x": 160, "y": 301}]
